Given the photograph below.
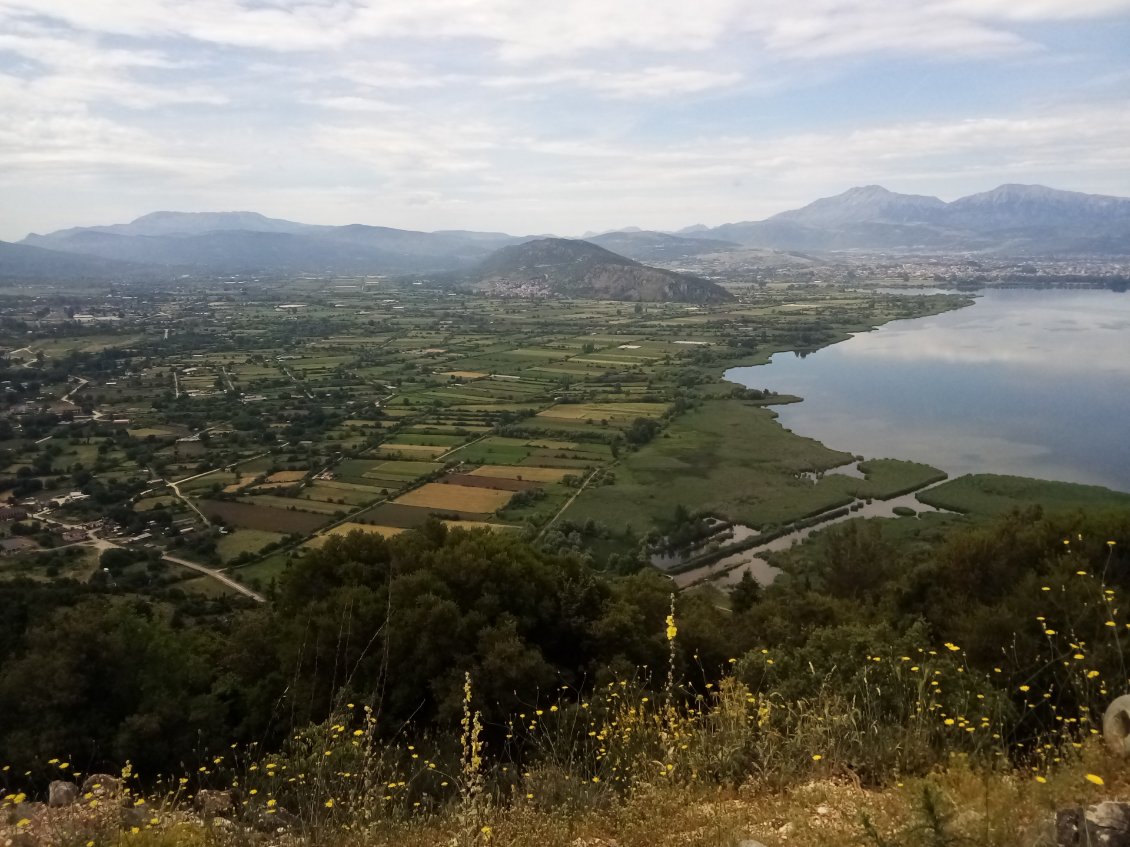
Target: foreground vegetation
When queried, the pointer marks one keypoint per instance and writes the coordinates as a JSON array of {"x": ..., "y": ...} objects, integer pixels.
[{"x": 446, "y": 682}]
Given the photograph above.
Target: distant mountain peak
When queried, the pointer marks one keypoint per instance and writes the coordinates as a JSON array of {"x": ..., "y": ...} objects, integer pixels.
[{"x": 865, "y": 202}]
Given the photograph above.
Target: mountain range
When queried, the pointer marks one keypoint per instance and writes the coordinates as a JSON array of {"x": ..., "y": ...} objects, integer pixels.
[
  {"x": 1014, "y": 220},
  {"x": 1020, "y": 220}
]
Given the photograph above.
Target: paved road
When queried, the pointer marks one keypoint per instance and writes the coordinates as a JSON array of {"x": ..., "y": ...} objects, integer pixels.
[{"x": 212, "y": 573}]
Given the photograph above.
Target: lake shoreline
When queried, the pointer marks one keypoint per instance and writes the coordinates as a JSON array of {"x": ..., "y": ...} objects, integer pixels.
[{"x": 825, "y": 428}]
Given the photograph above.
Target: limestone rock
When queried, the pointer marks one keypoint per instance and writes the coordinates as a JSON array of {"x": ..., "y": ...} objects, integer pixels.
[
  {"x": 1116, "y": 725},
  {"x": 1106, "y": 824},
  {"x": 62, "y": 793}
]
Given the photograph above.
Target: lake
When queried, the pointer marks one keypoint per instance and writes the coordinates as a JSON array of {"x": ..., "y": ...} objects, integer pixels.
[{"x": 1027, "y": 382}]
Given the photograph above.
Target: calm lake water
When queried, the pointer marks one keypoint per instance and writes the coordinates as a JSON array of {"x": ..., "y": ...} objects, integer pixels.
[{"x": 1027, "y": 382}]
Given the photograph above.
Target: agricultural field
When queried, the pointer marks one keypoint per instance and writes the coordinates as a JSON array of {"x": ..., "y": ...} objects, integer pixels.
[{"x": 210, "y": 423}]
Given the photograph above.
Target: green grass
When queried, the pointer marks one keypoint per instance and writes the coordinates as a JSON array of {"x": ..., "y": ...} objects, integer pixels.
[
  {"x": 728, "y": 458},
  {"x": 887, "y": 478},
  {"x": 991, "y": 494},
  {"x": 245, "y": 541}
]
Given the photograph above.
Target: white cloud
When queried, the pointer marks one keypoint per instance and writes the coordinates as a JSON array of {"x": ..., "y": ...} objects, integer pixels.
[
  {"x": 643, "y": 111},
  {"x": 659, "y": 81},
  {"x": 518, "y": 31}
]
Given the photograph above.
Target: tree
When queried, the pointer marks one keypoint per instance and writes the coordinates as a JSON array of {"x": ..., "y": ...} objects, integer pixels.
[{"x": 746, "y": 594}]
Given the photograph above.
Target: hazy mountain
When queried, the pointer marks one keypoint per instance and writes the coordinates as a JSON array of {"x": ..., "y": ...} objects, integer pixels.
[
  {"x": 646, "y": 246},
  {"x": 867, "y": 203},
  {"x": 19, "y": 262},
  {"x": 226, "y": 242},
  {"x": 579, "y": 269},
  {"x": 1019, "y": 219},
  {"x": 199, "y": 223},
  {"x": 1018, "y": 206}
]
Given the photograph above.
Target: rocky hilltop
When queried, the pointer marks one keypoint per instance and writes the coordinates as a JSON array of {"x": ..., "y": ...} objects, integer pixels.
[{"x": 569, "y": 268}]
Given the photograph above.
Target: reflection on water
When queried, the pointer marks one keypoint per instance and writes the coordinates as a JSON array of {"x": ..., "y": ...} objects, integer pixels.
[{"x": 1028, "y": 382}]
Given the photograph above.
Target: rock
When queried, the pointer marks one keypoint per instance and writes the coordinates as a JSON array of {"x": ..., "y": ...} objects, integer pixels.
[
  {"x": 101, "y": 785},
  {"x": 1106, "y": 824},
  {"x": 1110, "y": 815},
  {"x": 211, "y": 803},
  {"x": 1116, "y": 725},
  {"x": 62, "y": 793},
  {"x": 1068, "y": 823}
]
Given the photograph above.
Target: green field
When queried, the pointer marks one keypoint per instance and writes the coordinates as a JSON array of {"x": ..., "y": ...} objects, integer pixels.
[
  {"x": 729, "y": 458},
  {"x": 991, "y": 494}
]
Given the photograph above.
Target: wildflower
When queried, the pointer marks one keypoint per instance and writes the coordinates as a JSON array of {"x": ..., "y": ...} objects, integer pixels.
[
  {"x": 330, "y": 803},
  {"x": 816, "y": 757},
  {"x": 22, "y": 822},
  {"x": 672, "y": 630},
  {"x": 1041, "y": 779},
  {"x": 1095, "y": 779}
]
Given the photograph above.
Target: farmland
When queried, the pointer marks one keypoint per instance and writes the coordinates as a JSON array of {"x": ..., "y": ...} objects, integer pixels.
[{"x": 210, "y": 424}]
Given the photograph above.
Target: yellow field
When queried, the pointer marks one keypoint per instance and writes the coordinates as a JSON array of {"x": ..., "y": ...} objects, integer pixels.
[
  {"x": 348, "y": 527},
  {"x": 437, "y": 495},
  {"x": 601, "y": 411},
  {"x": 516, "y": 472},
  {"x": 286, "y": 476},
  {"x": 466, "y": 374}
]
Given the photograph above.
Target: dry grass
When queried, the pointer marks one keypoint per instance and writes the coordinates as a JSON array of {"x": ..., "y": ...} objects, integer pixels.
[
  {"x": 604, "y": 411},
  {"x": 462, "y": 498},
  {"x": 286, "y": 476},
  {"x": 517, "y": 472}
]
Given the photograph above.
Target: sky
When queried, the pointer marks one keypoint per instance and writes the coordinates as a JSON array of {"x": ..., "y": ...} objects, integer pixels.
[{"x": 547, "y": 117}]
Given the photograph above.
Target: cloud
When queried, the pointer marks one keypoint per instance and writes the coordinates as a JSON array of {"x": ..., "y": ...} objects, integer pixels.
[
  {"x": 520, "y": 32},
  {"x": 544, "y": 114},
  {"x": 659, "y": 81}
]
